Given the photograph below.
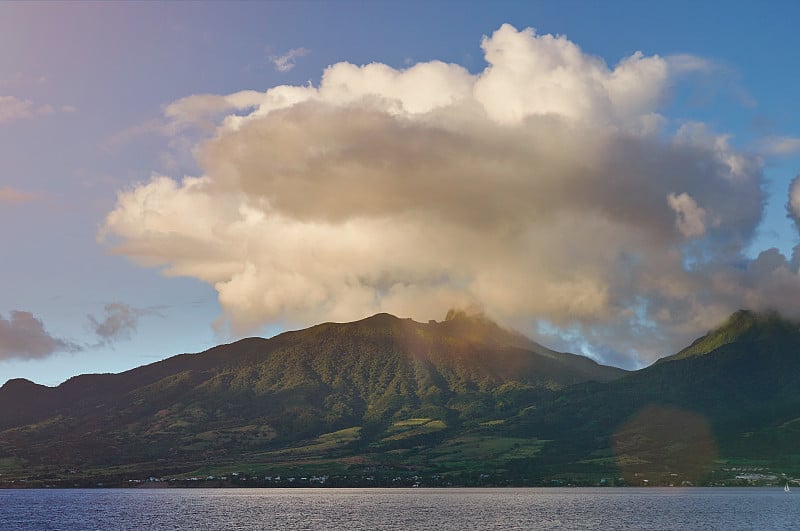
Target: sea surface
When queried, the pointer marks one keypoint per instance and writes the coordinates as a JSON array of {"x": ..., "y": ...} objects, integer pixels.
[{"x": 439, "y": 509}]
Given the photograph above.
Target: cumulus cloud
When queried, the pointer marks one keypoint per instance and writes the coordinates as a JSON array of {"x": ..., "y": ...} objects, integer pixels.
[
  {"x": 287, "y": 61},
  {"x": 550, "y": 188},
  {"x": 119, "y": 321},
  {"x": 23, "y": 336}
]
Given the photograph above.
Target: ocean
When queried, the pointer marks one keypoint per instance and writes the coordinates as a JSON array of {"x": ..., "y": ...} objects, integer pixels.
[{"x": 436, "y": 509}]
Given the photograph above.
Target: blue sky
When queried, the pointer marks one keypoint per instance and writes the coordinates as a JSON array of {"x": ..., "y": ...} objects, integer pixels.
[{"x": 85, "y": 93}]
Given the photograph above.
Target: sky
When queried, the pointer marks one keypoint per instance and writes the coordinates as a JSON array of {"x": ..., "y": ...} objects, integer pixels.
[{"x": 610, "y": 178}]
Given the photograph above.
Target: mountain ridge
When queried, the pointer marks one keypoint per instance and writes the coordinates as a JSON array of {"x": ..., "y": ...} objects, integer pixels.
[
  {"x": 488, "y": 330},
  {"x": 303, "y": 382},
  {"x": 448, "y": 398},
  {"x": 742, "y": 325}
]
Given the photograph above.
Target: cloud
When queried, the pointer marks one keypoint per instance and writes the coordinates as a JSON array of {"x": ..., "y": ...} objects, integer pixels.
[
  {"x": 780, "y": 145},
  {"x": 118, "y": 322},
  {"x": 13, "y": 196},
  {"x": 23, "y": 336},
  {"x": 13, "y": 109},
  {"x": 547, "y": 189},
  {"x": 687, "y": 63},
  {"x": 286, "y": 62},
  {"x": 203, "y": 110},
  {"x": 691, "y": 219},
  {"x": 793, "y": 206}
]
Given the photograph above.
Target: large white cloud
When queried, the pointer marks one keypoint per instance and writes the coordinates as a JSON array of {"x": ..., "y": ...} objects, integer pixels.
[{"x": 545, "y": 188}]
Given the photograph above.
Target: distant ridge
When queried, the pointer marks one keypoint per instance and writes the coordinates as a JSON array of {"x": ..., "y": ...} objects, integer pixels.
[
  {"x": 738, "y": 384},
  {"x": 741, "y": 326}
]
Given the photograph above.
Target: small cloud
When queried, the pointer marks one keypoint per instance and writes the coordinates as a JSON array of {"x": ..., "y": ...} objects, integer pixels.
[
  {"x": 14, "y": 196},
  {"x": 286, "y": 62},
  {"x": 118, "y": 322},
  {"x": 13, "y": 109},
  {"x": 779, "y": 145},
  {"x": 24, "y": 336},
  {"x": 685, "y": 63},
  {"x": 68, "y": 109}
]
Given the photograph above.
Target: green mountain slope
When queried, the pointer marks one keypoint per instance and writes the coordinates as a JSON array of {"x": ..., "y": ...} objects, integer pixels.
[
  {"x": 743, "y": 326},
  {"x": 730, "y": 397},
  {"x": 391, "y": 382},
  {"x": 389, "y": 401}
]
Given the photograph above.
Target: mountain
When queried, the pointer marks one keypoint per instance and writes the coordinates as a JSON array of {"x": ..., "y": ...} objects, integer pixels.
[
  {"x": 388, "y": 401},
  {"x": 729, "y": 398},
  {"x": 377, "y": 385}
]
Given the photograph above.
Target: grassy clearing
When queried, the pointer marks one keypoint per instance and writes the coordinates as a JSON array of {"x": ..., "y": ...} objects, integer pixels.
[
  {"x": 340, "y": 437},
  {"x": 322, "y": 444},
  {"x": 409, "y": 423},
  {"x": 404, "y": 429}
]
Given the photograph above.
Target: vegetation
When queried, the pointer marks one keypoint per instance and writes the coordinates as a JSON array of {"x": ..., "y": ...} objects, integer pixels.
[{"x": 457, "y": 402}]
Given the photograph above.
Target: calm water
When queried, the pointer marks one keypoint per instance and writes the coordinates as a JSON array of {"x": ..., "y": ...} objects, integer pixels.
[{"x": 440, "y": 509}]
